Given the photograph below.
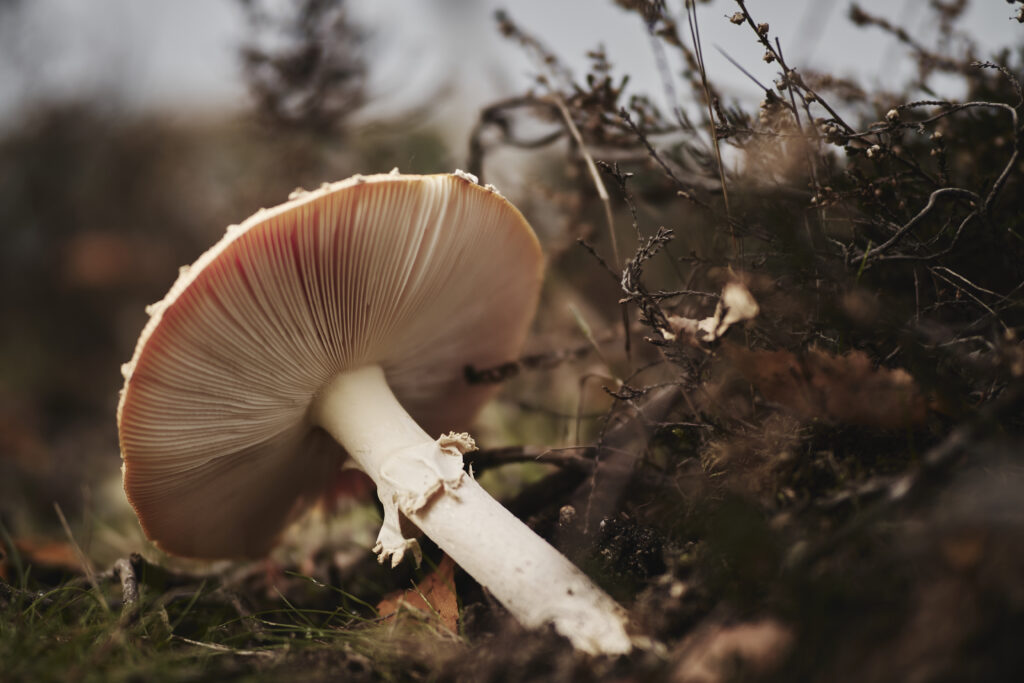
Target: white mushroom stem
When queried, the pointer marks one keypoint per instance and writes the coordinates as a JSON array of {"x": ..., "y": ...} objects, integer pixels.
[{"x": 424, "y": 480}]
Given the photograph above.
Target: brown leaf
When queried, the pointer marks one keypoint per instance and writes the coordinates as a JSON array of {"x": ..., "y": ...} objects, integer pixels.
[
  {"x": 43, "y": 552},
  {"x": 847, "y": 388},
  {"x": 434, "y": 596},
  {"x": 736, "y": 305}
]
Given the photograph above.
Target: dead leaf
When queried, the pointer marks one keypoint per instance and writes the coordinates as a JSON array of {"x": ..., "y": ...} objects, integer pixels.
[
  {"x": 736, "y": 305},
  {"x": 46, "y": 553},
  {"x": 434, "y": 596},
  {"x": 847, "y": 388}
]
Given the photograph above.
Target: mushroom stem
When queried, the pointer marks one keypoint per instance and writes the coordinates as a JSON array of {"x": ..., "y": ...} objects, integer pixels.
[{"x": 423, "y": 479}]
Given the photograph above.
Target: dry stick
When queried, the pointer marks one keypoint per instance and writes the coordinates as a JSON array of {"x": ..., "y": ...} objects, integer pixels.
[
  {"x": 809, "y": 158},
  {"x": 129, "y": 582},
  {"x": 602, "y": 192},
  {"x": 619, "y": 464},
  {"x": 988, "y": 309},
  {"x": 545, "y": 360},
  {"x": 550, "y": 64},
  {"x": 970, "y": 284},
  {"x": 791, "y": 86},
  {"x": 763, "y": 39},
  {"x": 971, "y": 196},
  {"x": 691, "y": 12},
  {"x": 889, "y": 243},
  {"x": 616, "y": 275},
  {"x": 493, "y": 115},
  {"x": 624, "y": 115},
  {"x": 90, "y": 574},
  {"x": 951, "y": 109},
  {"x": 623, "y": 443},
  {"x": 224, "y": 649},
  {"x": 621, "y": 180},
  {"x": 931, "y": 257},
  {"x": 997, "y": 186}
]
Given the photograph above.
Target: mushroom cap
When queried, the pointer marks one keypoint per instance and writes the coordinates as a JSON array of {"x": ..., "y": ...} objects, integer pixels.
[{"x": 421, "y": 275}]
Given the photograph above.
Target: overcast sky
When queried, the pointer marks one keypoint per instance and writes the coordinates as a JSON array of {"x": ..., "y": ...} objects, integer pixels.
[{"x": 182, "y": 55}]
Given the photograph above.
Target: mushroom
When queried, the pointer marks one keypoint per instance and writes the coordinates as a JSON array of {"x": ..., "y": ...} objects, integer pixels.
[{"x": 313, "y": 332}]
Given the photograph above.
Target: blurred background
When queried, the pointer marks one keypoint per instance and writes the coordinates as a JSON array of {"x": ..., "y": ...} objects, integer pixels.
[{"x": 132, "y": 133}]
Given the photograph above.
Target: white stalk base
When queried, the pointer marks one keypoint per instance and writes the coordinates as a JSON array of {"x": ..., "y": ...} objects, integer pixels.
[{"x": 424, "y": 480}]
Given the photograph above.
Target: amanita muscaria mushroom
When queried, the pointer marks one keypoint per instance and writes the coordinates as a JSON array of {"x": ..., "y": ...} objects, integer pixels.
[{"x": 338, "y": 325}]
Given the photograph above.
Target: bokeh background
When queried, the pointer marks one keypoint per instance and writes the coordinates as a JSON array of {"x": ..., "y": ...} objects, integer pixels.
[
  {"x": 132, "y": 133},
  {"x": 834, "y": 489}
]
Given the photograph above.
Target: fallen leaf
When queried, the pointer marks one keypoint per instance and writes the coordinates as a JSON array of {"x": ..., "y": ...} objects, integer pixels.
[
  {"x": 736, "y": 305},
  {"x": 819, "y": 385},
  {"x": 48, "y": 554},
  {"x": 434, "y": 596}
]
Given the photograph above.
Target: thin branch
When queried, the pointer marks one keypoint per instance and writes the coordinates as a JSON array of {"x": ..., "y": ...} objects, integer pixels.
[
  {"x": 909, "y": 225},
  {"x": 602, "y": 192},
  {"x": 691, "y": 11}
]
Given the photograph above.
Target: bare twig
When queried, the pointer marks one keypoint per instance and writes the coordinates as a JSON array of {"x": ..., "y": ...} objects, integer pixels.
[
  {"x": 602, "y": 192},
  {"x": 909, "y": 225},
  {"x": 708, "y": 98},
  {"x": 124, "y": 570},
  {"x": 224, "y": 649}
]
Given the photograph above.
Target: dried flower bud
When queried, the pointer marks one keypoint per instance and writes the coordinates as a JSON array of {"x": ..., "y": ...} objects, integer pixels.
[
  {"x": 768, "y": 57},
  {"x": 810, "y": 97},
  {"x": 874, "y": 151},
  {"x": 737, "y": 18},
  {"x": 762, "y": 29},
  {"x": 892, "y": 116},
  {"x": 566, "y": 515},
  {"x": 937, "y": 136}
]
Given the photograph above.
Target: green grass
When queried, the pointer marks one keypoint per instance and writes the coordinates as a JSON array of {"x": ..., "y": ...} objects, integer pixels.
[{"x": 190, "y": 628}]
